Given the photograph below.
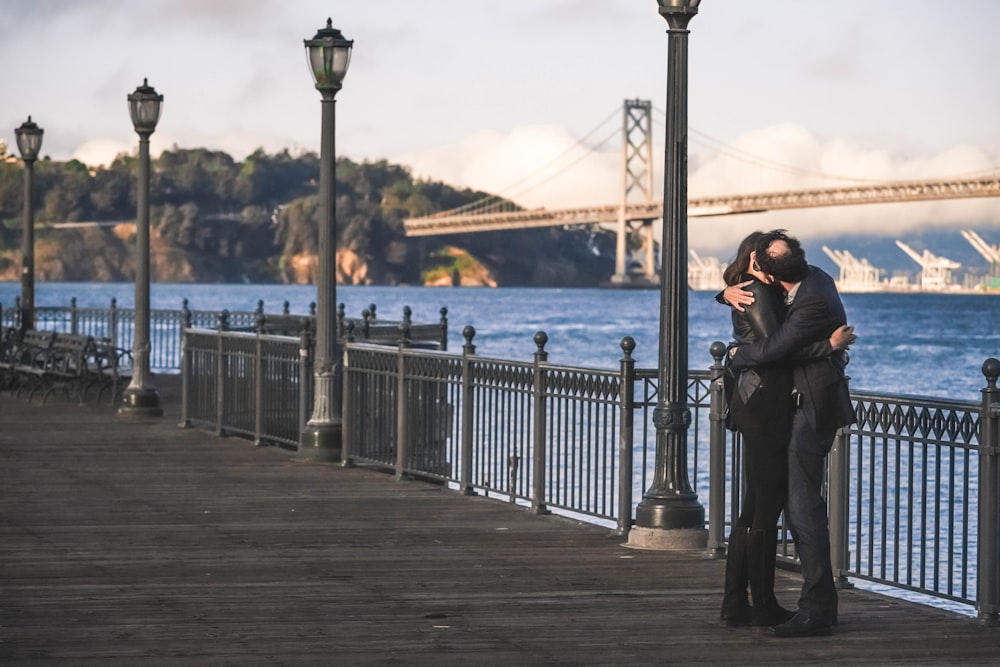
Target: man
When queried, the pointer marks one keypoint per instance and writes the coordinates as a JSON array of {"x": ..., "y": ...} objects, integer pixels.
[{"x": 823, "y": 405}]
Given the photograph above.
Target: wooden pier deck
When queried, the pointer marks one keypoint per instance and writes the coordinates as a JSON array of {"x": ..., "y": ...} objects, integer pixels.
[{"x": 133, "y": 542}]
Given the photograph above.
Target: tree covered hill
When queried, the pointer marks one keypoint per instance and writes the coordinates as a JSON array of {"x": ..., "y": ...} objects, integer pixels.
[{"x": 215, "y": 219}]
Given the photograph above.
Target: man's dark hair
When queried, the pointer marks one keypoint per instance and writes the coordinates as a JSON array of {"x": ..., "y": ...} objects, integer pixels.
[{"x": 789, "y": 267}]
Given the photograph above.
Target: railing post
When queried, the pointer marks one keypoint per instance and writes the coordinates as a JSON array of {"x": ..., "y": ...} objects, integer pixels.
[
  {"x": 220, "y": 375},
  {"x": 366, "y": 323},
  {"x": 341, "y": 314},
  {"x": 838, "y": 497},
  {"x": 185, "y": 317},
  {"x": 74, "y": 316},
  {"x": 258, "y": 380},
  {"x": 401, "y": 427},
  {"x": 443, "y": 342},
  {"x": 285, "y": 308},
  {"x": 186, "y": 364},
  {"x": 305, "y": 376},
  {"x": 113, "y": 323},
  {"x": 468, "y": 403},
  {"x": 988, "y": 565},
  {"x": 626, "y": 408},
  {"x": 538, "y": 400},
  {"x": 717, "y": 454},
  {"x": 346, "y": 439}
]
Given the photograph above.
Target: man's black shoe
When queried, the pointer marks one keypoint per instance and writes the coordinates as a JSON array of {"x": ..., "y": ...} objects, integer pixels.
[{"x": 802, "y": 625}]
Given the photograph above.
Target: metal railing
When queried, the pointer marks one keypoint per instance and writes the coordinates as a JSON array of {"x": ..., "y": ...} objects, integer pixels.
[
  {"x": 117, "y": 325},
  {"x": 259, "y": 384},
  {"x": 905, "y": 494}
]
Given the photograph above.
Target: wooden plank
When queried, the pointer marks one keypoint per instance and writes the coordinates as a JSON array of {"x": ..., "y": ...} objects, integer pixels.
[{"x": 129, "y": 541}]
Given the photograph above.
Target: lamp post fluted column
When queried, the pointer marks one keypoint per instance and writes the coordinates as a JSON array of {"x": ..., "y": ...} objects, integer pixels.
[
  {"x": 329, "y": 55},
  {"x": 29, "y": 142},
  {"x": 141, "y": 397},
  {"x": 670, "y": 515}
]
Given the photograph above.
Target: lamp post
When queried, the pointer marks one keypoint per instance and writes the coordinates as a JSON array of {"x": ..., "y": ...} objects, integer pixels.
[
  {"x": 329, "y": 54},
  {"x": 669, "y": 515},
  {"x": 29, "y": 142},
  {"x": 141, "y": 397}
]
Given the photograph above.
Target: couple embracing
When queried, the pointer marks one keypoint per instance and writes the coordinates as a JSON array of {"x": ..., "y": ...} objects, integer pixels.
[{"x": 787, "y": 394}]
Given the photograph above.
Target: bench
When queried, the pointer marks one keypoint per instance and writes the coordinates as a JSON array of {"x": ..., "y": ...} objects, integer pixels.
[
  {"x": 43, "y": 362},
  {"x": 20, "y": 351},
  {"x": 109, "y": 370},
  {"x": 62, "y": 365}
]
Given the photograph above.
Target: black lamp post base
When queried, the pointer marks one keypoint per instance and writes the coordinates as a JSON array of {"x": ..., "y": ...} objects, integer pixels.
[
  {"x": 321, "y": 442},
  {"x": 668, "y": 513},
  {"x": 144, "y": 402},
  {"x": 669, "y": 524}
]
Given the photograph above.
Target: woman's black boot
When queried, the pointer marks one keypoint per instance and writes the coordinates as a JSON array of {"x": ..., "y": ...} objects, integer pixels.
[
  {"x": 735, "y": 603},
  {"x": 762, "y": 547}
]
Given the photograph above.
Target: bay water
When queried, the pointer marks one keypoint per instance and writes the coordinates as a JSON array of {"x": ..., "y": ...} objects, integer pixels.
[{"x": 919, "y": 344}]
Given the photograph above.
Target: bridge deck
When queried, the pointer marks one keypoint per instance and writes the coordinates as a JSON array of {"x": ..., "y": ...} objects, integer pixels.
[{"x": 133, "y": 542}]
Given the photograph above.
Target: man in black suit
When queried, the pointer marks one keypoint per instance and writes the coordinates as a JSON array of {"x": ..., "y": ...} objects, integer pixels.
[{"x": 823, "y": 405}]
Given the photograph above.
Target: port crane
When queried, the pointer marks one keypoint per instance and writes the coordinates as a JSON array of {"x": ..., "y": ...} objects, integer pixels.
[
  {"x": 856, "y": 275},
  {"x": 991, "y": 253},
  {"x": 935, "y": 275},
  {"x": 704, "y": 273}
]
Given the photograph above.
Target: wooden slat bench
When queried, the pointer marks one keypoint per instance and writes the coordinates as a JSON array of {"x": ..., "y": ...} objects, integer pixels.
[
  {"x": 63, "y": 365},
  {"x": 21, "y": 350},
  {"x": 110, "y": 370}
]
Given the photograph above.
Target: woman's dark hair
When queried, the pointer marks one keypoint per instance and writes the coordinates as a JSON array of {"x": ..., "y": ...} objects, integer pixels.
[
  {"x": 790, "y": 267},
  {"x": 740, "y": 265}
]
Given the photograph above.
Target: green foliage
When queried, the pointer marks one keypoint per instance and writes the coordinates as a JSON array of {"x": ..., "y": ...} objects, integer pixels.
[{"x": 250, "y": 218}]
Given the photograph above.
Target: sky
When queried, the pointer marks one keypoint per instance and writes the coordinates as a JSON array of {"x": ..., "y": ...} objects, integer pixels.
[{"x": 524, "y": 98}]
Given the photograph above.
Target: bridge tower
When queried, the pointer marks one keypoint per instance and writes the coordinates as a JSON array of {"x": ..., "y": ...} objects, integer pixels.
[{"x": 637, "y": 182}]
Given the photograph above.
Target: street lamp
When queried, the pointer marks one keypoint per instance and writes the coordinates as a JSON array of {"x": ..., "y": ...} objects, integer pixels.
[
  {"x": 329, "y": 54},
  {"x": 141, "y": 397},
  {"x": 29, "y": 142},
  {"x": 669, "y": 515}
]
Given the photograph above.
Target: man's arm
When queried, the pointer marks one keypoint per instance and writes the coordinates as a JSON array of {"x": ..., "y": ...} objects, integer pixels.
[
  {"x": 808, "y": 322},
  {"x": 736, "y": 296}
]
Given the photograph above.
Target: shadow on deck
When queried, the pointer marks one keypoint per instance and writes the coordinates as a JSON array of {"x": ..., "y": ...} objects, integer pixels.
[{"x": 131, "y": 542}]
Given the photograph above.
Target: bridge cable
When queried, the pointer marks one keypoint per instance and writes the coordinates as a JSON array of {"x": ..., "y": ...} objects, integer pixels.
[
  {"x": 507, "y": 193},
  {"x": 616, "y": 132},
  {"x": 579, "y": 143}
]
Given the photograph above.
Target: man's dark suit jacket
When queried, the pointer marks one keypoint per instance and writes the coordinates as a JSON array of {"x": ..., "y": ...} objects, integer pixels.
[{"x": 814, "y": 314}]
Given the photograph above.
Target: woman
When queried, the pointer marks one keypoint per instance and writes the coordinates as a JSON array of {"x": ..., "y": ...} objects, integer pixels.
[{"x": 760, "y": 408}]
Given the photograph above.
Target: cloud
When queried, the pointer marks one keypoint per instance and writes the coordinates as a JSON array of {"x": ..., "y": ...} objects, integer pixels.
[
  {"x": 534, "y": 166},
  {"x": 101, "y": 152}
]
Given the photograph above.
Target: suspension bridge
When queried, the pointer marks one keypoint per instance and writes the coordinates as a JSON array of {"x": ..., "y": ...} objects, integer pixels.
[{"x": 638, "y": 208}]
